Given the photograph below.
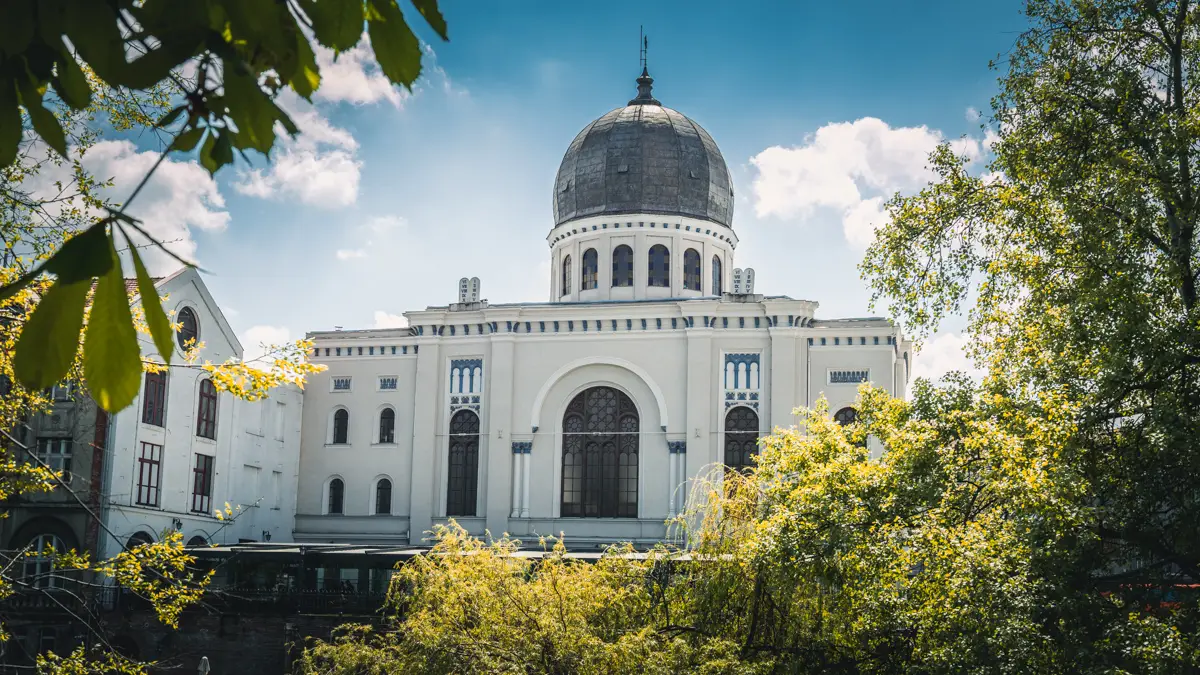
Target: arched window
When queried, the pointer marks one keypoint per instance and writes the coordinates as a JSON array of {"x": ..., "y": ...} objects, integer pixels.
[
  {"x": 154, "y": 399},
  {"x": 189, "y": 328},
  {"x": 206, "y": 412},
  {"x": 383, "y": 497},
  {"x": 591, "y": 269},
  {"x": 197, "y": 541},
  {"x": 39, "y": 566},
  {"x": 716, "y": 271},
  {"x": 741, "y": 438},
  {"x": 337, "y": 491},
  {"x": 341, "y": 427},
  {"x": 660, "y": 266},
  {"x": 600, "y": 455},
  {"x": 387, "y": 426},
  {"x": 566, "y": 276},
  {"x": 622, "y": 266},
  {"x": 139, "y": 538},
  {"x": 691, "y": 270},
  {"x": 846, "y": 416},
  {"x": 464, "y": 464}
]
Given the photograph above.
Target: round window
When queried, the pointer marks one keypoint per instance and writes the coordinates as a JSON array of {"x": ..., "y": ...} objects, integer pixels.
[{"x": 189, "y": 328}]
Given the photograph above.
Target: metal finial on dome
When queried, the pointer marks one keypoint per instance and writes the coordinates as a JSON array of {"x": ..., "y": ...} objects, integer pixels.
[{"x": 645, "y": 83}]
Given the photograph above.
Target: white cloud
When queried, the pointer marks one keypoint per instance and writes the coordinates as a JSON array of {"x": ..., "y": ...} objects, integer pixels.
[
  {"x": 256, "y": 339},
  {"x": 972, "y": 114},
  {"x": 348, "y": 253},
  {"x": 385, "y": 320},
  {"x": 848, "y": 168},
  {"x": 319, "y": 166},
  {"x": 944, "y": 353},
  {"x": 386, "y": 224},
  {"x": 354, "y": 76}
]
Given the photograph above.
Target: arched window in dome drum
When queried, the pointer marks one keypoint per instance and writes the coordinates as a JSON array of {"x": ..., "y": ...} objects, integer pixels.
[
  {"x": 660, "y": 266},
  {"x": 591, "y": 269},
  {"x": 741, "y": 438},
  {"x": 464, "y": 464},
  {"x": 622, "y": 266},
  {"x": 600, "y": 455},
  {"x": 716, "y": 272},
  {"x": 566, "y": 276},
  {"x": 691, "y": 270}
]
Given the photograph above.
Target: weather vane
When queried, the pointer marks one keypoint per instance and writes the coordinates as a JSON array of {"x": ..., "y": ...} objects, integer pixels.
[{"x": 645, "y": 44}]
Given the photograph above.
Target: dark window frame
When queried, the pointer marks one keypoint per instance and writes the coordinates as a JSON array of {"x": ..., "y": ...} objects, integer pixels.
[
  {"x": 55, "y": 452},
  {"x": 691, "y": 270},
  {"x": 383, "y": 497},
  {"x": 600, "y": 450},
  {"x": 206, "y": 411},
  {"x": 716, "y": 275},
  {"x": 591, "y": 270},
  {"x": 189, "y": 328},
  {"x": 622, "y": 264},
  {"x": 149, "y": 482},
  {"x": 659, "y": 267},
  {"x": 387, "y": 425},
  {"x": 566, "y": 276},
  {"x": 462, "y": 483},
  {"x": 202, "y": 483},
  {"x": 337, "y": 497},
  {"x": 741, "y": 438},
  {"x": 341, "y": 427},
  {"x": 154, "y": 399}
]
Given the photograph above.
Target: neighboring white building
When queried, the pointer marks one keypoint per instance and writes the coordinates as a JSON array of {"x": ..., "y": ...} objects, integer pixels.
[
  {"x": 183, "y": 450},
  {"x": 587, "y": 414}
]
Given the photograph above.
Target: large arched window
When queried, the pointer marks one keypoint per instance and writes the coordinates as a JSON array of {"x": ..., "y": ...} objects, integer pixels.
[
  {"x": 39, "y": 566},
  {"x": 591, "y": 269},
  {"x": 622, "y": 266},
  {"x": 383, "y": 497},
  {"x": 387, "y": 426},
  {"x": 337, "y": 493},
  {"x": 716, "y": 272},
  {"x": 189, "y": 328},
  {"x": 206, "y": 411},
  {"x": 741, "y": 438},
  {"x": 660, "y": 266},
  {"x": 566, "y": 276},
  {"x": 464, "y": 464},
  {"x": 691, "y": 270},
  {"x": 846, "y": 416},
  {"x": 341, "y": 427},
  {"x": 154, "y": 399},
  {"x": 600, "y": 455}
]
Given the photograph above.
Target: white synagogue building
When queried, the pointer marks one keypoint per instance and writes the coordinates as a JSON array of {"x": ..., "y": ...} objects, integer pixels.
[{"x": 652, "y": 360}]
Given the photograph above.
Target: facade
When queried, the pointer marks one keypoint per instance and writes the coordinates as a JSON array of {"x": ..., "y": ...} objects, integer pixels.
[{"x": 652, "y": 362}]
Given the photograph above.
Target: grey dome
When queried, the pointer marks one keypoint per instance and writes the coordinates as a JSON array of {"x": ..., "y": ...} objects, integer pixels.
[{"x": 643, "y": 158}]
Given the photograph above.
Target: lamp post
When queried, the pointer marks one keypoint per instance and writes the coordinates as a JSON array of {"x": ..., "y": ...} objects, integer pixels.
[{"x": 266, "y": 535}]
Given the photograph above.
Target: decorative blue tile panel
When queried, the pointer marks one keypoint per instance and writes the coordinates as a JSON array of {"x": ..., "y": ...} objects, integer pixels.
[
  {"x": 677, "y": 447},
  {"x": 848, "y": 376},
  {"x": 522, "y": 447}
]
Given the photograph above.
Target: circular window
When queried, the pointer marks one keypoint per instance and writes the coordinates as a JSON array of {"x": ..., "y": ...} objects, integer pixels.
[{"x": 189, "y": 328}]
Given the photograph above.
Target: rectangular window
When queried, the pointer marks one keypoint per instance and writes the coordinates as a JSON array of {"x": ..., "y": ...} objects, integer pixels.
[
  {"x": 387, "y": 383},
  {"x": 154, "y": 400},
  {"x": 280, "y": 410},
  {"x": 149, "y": 485},
  {"x": 849, "y": 376},
  {"x": 55, "y": 453},
  {"x": 202, "y": 484},
  {"x": 341, "y": 384},
  {"x": 61, "y": 391}
]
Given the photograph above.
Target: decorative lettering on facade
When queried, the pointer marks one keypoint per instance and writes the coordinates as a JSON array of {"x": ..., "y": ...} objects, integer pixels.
[{"x": 849, "y": 376}]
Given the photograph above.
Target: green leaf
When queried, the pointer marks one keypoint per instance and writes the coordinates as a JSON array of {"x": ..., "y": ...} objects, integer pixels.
[
  {"x": 337, "y": 24},
  {"x": 10, "y": 122},
  {"x": 112, "y": 361},
  {"x": 156, "y": 318},
  {"x": 222, "y": 152},
  {"x": 83, "y": 256},
  {"x": 70, "y": 82},
  {"x": 187, "y": 140},
  {"x": 16, "y": 25},
  {"x": 92, "y": 28},
  {"x": 171, "y": 116},
  {"x": 396, "y": 48},
  {"x": 206, "y": 153},
  {"x": 50, "y": 339},
  {"x": 44, "y": 122},
  {"x": 433, "y": 16},
  {"x": 252, "y": 111},
  {"x": 307, "y": 77}
]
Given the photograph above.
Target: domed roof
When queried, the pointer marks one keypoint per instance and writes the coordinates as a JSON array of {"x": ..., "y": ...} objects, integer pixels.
[{"x": 643, "y": 158}]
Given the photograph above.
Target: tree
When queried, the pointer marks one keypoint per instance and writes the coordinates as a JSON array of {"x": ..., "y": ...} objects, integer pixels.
[{"x": 243, "y": 54}]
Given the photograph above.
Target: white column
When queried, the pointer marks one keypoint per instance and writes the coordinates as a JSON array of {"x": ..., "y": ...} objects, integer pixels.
[
  {"x": 526, "y": 457},
  {"x": 673, "y": 482},
  {"x": 516, "y": 484}
]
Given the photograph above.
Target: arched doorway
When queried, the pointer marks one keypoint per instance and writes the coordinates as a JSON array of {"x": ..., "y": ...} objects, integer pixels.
[
  {"x": 600, "y": 455},
  {"x": 464, "y": 464},
  {"x": 741, "y": 438}
]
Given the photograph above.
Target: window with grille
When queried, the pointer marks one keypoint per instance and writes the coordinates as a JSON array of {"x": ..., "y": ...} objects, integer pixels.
[
  {"x": 387, "y": 426},
  {"x": 206, "y": 411},
  {"x": 622, "y": 264},
  {"x": 464, "y": 464},
  {"x": 202, "y": 484},
  {"x": 846, "y": 416},
  {"x": 189, "y": 328},
  {"x": 149, "y": 475},
  {"x": 383, "y": 497},
  {"x": 591, "y": 269},
  {"x": 600, "y": 455},
  {"x": 387, "y": 383},
  {"x": 55, "y": 453},
  {"x": 341, "y": 426},
  {"x": 849, "y": 376},
  {"x": 336, "y": 493},
  {"x": 691, "y": 270},
  {"x": 566, "y": 276},
  {"x": 341, "y": 384},
  {"x": 154, "y": 399},
  {"x": 39, "y": 564},
  {"x": 741, "y": 438},
  {"x": 660, "y": 266}
]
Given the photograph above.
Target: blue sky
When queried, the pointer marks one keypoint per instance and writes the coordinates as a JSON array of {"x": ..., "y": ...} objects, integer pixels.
[{"x": 820, "y": 109}]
